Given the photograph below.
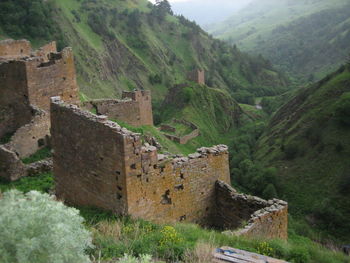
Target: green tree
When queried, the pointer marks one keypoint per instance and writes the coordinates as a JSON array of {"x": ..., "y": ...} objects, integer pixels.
[{"x": 269, "y": 192}]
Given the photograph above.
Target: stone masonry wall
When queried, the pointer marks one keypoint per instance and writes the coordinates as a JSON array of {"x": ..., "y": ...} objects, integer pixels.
[
  {"x": 97, "y": 163},
  {"x": 265, "y": 219},
  {"x": 15, "y": 109},
  {"x": 11, "y": 167},
  {"x": 33, "y": 136},
  {"x": 126, "y": 111},
  {"x": 13, "y": 49},
  {"x": 53, "y": 78},
  {"x": 197, "y": 76},
  {"x": 134, "y": 109},
  {"x": 175, "y": 189},
  {"x": 88, "y": 158}
]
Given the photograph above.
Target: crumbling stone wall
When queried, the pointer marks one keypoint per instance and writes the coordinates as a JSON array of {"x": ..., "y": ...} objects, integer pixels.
[
  {"x": 28, "y": 79},
  {"x": 180, "y": 139},
  {"x": 56, "y": 77},
  {"x": 11, "y": 167},
  {"x": 98, "y": 163},
  {"x": 197, "y": 76},
  {"x": 15, "y": 109},
  {"x": 135, "y": 108},
  {"x": 33, "y": 136},
  {"x": 13, "y": 49},
  {"x": 256, "y": 217},
  {"x": 88, "y": 158}
]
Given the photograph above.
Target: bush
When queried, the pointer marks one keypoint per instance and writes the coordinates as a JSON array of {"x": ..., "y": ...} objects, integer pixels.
[
  {"x": 342, "y": 110},
  {"x": 36, "y": 228},
  {"x": 299, "y": 255}
]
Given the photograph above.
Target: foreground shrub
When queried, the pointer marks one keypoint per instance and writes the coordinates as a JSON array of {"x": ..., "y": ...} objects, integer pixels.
[{"x": 36, "y": 228}]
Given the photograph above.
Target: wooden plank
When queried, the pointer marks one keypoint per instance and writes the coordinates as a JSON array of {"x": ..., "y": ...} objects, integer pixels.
[
  {"x": 240, "y": 256},
  {"x": 254, "y": 255},
  {"x": 230, "y": 259},
  {"x": 237, "y": 257}
]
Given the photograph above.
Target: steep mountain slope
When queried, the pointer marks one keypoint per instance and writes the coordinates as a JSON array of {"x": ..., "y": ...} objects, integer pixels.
[
  {"x": 308, "y": 141},
  {"x": 306, "y": 38},
  {"x": 126, "y": 44}
]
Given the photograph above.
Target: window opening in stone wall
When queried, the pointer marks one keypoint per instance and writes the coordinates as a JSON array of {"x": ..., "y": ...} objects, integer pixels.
[
  {"x": 166, "y": 200},
  {"x": 133, "y": 166},
  {"x": 41, "y": 142},
  {"x": 179, "y": 187},
  {"x": 119, "y": 196},
  {"x": 182, "y": 218}
]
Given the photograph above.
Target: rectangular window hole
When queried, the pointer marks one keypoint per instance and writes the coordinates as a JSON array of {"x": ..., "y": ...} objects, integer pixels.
[
  {"x": 133, "y": 166},
  {"x": 179, "y": 187}
]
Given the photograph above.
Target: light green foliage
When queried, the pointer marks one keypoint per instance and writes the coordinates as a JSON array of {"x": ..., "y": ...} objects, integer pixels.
[
  {"x": 265, "y": 249},
  {"x": 132, "y": 259},
  {"x": 34, "y": 228}
]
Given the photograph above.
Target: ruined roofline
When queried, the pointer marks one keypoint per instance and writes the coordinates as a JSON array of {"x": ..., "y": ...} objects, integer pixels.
[
  {"x": 51, "y": 59},
  {"x": 93, "y": 117},
  {"x": 146, "y": 148}
]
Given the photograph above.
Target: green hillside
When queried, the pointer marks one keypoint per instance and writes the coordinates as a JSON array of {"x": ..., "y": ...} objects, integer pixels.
[
  {"x": 308, "y": 39},
  {"x": 308, "y": 142},
  {"x": 126, "y": 44}
]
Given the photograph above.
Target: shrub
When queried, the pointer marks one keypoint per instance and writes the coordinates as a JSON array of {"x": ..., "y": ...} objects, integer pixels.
[
  {"x": 131, "y": 259},
  {"x": 291, "y": 151},
  {"x": 36, "y": 228},
  {"x": 299, "y": 255},
  {"x": 342, "y": 110},
  {"x": 265, "y": 249}
]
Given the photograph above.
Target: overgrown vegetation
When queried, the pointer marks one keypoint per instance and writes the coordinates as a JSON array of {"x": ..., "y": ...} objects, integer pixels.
[{"x": 38, "y": 156}]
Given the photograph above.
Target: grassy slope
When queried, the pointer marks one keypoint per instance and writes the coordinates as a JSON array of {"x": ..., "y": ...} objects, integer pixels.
[
  {"x": 311, "y": 149},
  {"x": 300, "y": 37}
]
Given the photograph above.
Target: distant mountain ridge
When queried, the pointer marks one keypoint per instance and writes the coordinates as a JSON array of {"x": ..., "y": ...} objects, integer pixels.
[{"x": 306, "y": 38}]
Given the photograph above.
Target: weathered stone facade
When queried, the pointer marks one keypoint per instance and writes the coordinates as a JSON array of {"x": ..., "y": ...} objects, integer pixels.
[
  {"x": 266, "y": 219},
  {"x": 98, "y": 163},
  {"x": 13, "y": 49},
  {"x": 28, "y": 79},
  {"x": 197, "y": 76},
  {"x": 180, "y": 139},
  {"x": 135, "y": 108}
]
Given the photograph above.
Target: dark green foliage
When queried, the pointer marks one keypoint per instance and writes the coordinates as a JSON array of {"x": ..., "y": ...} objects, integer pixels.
[
  {"x": 155, "y": 79},
  {"x": 6, "y": 138},
  {"x": 245, "y": 97},
  {"x": 269, "y": 192},
  {"x": 342, "y": 110},
  {"x": 299, "y": 255},
  {"x": 97, "y": 22},
  {"x": 31, "y": 19},
  {"x": 161, "y": 9},
  {"x": 291, "y": 151},
  {"x": 39, "y": 155}
]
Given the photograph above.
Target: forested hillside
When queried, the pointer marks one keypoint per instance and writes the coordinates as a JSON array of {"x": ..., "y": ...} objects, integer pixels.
[
  {"x": 308, "y": 39},
  {"x": 308, "y": 142},
  {"x": 127, "y": 44}
]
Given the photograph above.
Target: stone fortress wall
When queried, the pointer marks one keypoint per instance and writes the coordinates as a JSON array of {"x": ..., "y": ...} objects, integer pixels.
[
  {"x": 135, "y": 108},
  {"x": 180, "y": 139},
  {"x": 28, "y": 78},
  {"x": 197, "y": 76},
  {"x": 98, "y": 163}
]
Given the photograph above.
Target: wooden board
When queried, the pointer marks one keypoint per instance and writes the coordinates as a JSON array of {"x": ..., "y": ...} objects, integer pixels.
[{"x": 228, "y": 254}]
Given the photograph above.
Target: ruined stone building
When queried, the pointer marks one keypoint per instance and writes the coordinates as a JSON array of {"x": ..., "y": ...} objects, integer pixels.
[
  {"x": 197, "y": 76},
  {"x": 135, "y": 108},
  {"x": 98, "y": 163},
  {"x": 27, "y": 81}
]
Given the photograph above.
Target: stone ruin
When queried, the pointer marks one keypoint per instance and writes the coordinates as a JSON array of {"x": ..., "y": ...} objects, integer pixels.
[
  {"x": 98, "y": 163},
  {"x": 197, "y": 76},
  {"x": 135, "y": 108},
  {"x": 180, "y": 139},
  {"x": 28, "y": 78}
]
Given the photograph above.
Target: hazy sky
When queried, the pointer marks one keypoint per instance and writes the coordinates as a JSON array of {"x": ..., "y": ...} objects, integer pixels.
[{"x": 206, "y": 12}]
